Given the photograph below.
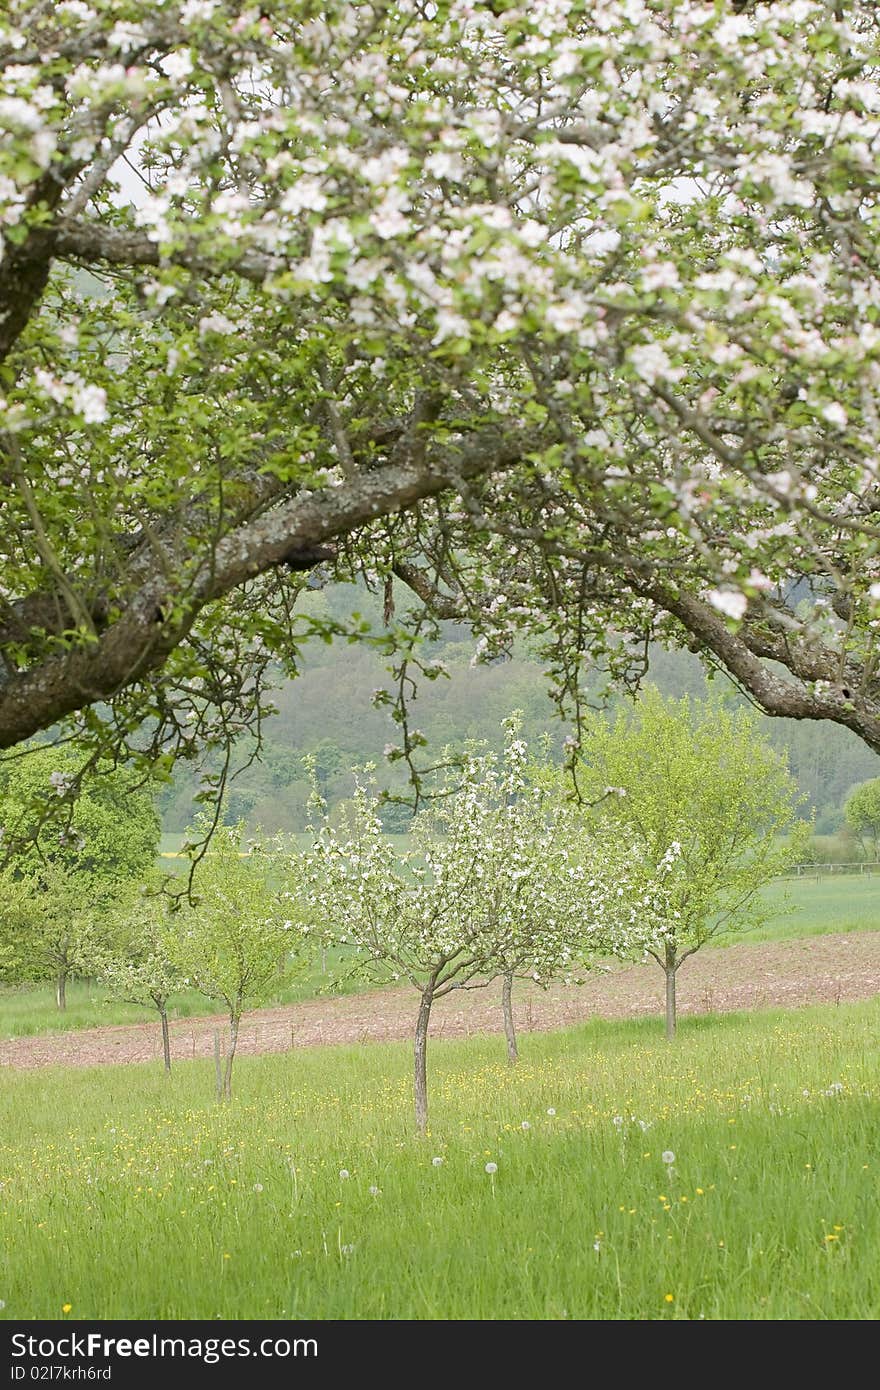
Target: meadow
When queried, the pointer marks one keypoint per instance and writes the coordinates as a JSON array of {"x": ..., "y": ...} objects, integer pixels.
[
  {"x": 732, "y": 1175},
  {"x": 813, "y": 905},
  {"x": 799, "y": 907},
  {"x": 32, "y": 1009}
]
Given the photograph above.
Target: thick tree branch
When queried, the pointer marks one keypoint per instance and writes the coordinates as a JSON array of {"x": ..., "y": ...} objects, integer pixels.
[
  {"x": 775, "y": 694},
  {"x": 142, "y": 638},
  {"x": 91, "y": 243},
  {"x": 423, "y": 586}
]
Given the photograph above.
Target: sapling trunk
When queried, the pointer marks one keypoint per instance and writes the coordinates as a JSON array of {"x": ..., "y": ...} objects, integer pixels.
[
  {"x": 166, "y": 1041},
  {"x": 234, "y": 1020},
  {"x": 420, "y": 1077},
  {"x": 61, "y": 990},
  {"x": 509, "y": 1025},
  {"x": 670, "y": 967}
]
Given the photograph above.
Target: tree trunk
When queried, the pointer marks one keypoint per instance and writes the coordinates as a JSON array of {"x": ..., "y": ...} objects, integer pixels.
[
  {"x": 421, "y": 1060},
  {"x": 671, "y": 967},
  {"x": 234, "y": 1020},
  {"x": 166, "y": 1041},
  {"x": 509, "y": 1026},
  {"x": 61, "y": 990}
]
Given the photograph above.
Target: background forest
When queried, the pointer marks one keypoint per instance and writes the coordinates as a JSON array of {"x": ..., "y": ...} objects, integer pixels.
[{"x": 324, "y": 714}]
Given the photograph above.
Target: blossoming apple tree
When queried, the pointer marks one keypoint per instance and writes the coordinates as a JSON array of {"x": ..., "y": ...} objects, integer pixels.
[
  {"x": 567, "y": 317},
  {"x": 134, "y": 963},
  {"x": 563, "y": 900},
  {"x": 489, "y": 887}
]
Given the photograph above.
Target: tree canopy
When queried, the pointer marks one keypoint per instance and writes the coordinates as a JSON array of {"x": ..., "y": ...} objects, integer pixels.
[
  {"x": 701, "y": 793},
  {"x": 566, "y": 317},
  {"x": 69, "y": 870},
  {"x": 110, "y": 831},
  {"x": 862, "y": 813},
  {"x": 234, "y": 941},
  {"x": 489, "y": 885}
]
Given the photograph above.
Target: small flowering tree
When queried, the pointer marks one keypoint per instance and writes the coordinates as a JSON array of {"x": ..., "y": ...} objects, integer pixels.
[
  {"x": 551, "y": 903},
  {"x": 416, "y": 914},
  {"x": 138, "y": 968},
  {"x": 705, "y": 805},
  {"x": 483, "y": 891},
  {"x": 229, "y": 943},
  {"x": 583, "y": 898}
]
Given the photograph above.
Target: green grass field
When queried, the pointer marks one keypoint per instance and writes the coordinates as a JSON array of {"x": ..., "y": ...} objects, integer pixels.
[
  {"x": 810, "y": 907},
  {"x": 32, "y": 1009},
  {"x": 802, "y": 908},
  {"x": 127, "y": 1196}
]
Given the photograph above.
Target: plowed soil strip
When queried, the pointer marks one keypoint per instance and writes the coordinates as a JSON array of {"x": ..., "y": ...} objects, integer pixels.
[{"x": 784, "y": 974}]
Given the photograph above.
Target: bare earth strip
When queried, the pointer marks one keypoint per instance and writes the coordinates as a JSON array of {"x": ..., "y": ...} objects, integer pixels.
[{"x": 786, "y": 974}]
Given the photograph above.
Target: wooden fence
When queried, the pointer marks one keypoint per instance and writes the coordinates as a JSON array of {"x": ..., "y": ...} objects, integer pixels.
[{"x": 817, "y": 871}]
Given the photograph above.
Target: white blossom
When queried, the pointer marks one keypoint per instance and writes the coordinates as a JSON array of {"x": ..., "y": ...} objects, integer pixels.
[
  {"x": 216, "y": 323},
  {"x": 91, "y": 403},
  {"x": 651, "y": 363},
  {"x": 731, "y": 602}
]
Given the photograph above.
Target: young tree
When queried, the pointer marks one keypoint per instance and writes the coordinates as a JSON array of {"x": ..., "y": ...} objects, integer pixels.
[
  {"x": 578, "y": 899},
  {"x": 136, "y": 966},
  {"x": 70, "y": 875},
  {"x": 483, "y": 891},
  {"x": 565, "y": 317},
  {"x": 560, "y": 901},
  {"x": 862, "y": 812},
  {"x": 704, "y": 799},
  {"x": 51, "y": 922},
  {"x": 412, "y": 915},
  {"x": 229, "y": 942}
]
